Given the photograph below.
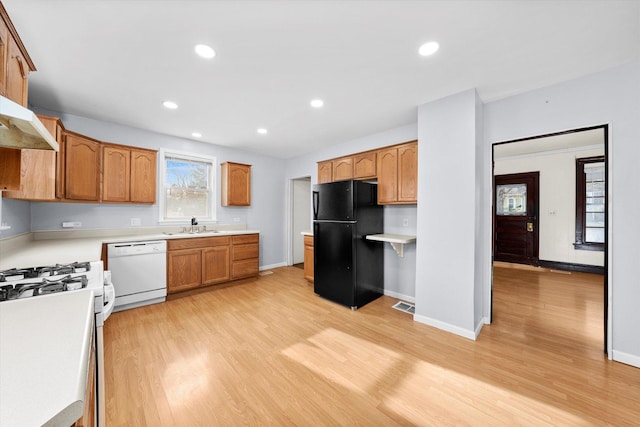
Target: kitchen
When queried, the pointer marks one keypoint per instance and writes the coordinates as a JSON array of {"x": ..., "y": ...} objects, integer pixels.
[{"x": 266, "y": 212}]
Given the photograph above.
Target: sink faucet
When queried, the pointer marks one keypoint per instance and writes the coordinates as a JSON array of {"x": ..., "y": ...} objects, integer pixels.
[{"x": 194, "y": 227}]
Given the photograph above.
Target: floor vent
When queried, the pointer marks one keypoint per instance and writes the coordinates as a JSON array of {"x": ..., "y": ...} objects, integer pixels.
[
  {"x": 405, "y": 306},
  {"x": 265, "y": 273}
]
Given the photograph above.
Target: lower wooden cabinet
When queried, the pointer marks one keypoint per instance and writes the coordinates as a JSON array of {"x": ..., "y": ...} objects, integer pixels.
[
  {"x": 308, "y": 258},
  {"x": 184, "y": 269},
  {"x": 245, "y": 253},
  {"x": 215, "y": 265},
  {"x": 203, "y": 261}
]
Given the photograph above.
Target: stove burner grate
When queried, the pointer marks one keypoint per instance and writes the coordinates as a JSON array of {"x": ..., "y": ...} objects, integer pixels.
[
  {"x": 15, "y": 274},
  {"x": 42, "y": 287}
]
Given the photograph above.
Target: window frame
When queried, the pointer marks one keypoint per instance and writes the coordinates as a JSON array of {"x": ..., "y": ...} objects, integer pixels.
[
  {"x": 187, "y": 156},
  {"x": 581, "y": 196}
]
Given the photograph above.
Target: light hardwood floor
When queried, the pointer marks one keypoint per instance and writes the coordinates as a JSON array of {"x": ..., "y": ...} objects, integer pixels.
[{"x": 270, "y": 352}]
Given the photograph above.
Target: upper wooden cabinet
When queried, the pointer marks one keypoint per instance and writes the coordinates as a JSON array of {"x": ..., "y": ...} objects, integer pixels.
[
  {"x": 364, "y": 165},
  {"x": 38, "y": 168},
  {"x": 81, "y": 167},
  {"x": 15, "y": 63},
  {"x": 128, "y": 174},
  {"x": 10, "y": 159},
  {"x": 116, "y": 174},
  {"x": 343, "y": 169},
  {"x": 143, "y": 175},
  {"x": 395, "y": 167},
  {"x": 236, "y": 184},
  {"x": 325, "y": 172},
  {"x": 398, "y": 174}
]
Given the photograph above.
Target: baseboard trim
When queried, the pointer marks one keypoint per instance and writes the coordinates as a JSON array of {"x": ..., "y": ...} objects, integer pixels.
[
  {"x": 405, "y": 298},
  {"x": 626, "y": 358},
  {"x": 567, "y": 266},
  {"x": 465, "y": 333},
  {"x": 270, "y": 266}
]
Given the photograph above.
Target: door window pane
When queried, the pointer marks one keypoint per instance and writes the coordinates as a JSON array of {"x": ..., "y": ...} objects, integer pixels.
[{"x": 511, "y": 199}]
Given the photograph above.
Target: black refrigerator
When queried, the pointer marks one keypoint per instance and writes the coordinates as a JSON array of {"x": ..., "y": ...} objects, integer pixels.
[{"x": 348, "y": 269}]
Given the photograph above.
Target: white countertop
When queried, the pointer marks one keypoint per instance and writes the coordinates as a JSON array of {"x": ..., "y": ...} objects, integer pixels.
[
  {"x": 35, "y": 253},
  {"x": 392, "y": 238},
  {"x": 44, "y": 354}
]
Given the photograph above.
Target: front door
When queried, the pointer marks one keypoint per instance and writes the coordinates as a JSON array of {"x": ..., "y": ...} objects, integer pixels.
[{"x": 516, "y": 218}]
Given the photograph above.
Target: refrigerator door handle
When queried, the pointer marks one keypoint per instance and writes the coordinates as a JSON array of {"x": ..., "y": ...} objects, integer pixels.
[{"x": 316, "y": 201}]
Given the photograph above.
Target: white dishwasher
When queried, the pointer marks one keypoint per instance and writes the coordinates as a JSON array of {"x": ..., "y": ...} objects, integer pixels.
[{"x": 138, "y": 273}]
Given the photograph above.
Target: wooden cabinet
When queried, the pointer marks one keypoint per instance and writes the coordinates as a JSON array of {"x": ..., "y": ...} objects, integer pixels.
[
  {"x": 202, "y": 261},
  {"x": 38, "y": 168},
  {"x": 81, "y": 167},
  {"x": 15, "y": 63},
  {"x": 143, "y": 175},
  {"x": 216, "y": 264},
  {"x": 128, "y": 174},
  {"x": 398, "y": 174},
  {"x": 245, "y": 253},
  {"x": 364, "y": 165},
  {"x": 184, "y": 269},
  {"x": 4, "y": 44},
  {"x": 10, "y": 160},
  {"x": 395, "y": 167},
  {"x": 325, "y": 172},
  {"x": 308, "y": 258},
  {"x": 236, "y": 184},
  {"x": 343, "y": 169},
  {"x": 116, "y": 174}
]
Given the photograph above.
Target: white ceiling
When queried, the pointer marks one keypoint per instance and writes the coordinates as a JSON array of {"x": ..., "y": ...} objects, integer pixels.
[
  {"x": 117, "y": 60},
  {"x": 572, "y": 141}
]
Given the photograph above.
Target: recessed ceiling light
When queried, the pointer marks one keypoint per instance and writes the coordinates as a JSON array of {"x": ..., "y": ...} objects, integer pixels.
[
  {"x": 262, "y": 131},
  {"x": 317, "y": 103},
  {"x": 170, "y": 105},
  {"x": 429, "y": 48},
  {"x": 196, "y": 135},
  {"x": 205, "y": 51}
]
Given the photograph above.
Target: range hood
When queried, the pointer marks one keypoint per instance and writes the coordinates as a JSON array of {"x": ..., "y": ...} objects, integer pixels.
[{"x": 21, "y": 128}]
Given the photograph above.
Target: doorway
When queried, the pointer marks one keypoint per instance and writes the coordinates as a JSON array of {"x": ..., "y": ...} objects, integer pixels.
[
  {"x": 516, "y": 200},
  {"x": 300, "y": 205},
  {"x": 560, "y": 245}
]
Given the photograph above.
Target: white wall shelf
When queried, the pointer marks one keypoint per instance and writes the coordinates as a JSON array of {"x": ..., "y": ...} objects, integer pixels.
[{"x": 397, "y": 241}]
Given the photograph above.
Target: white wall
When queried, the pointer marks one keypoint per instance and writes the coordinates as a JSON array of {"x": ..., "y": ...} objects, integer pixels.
[
  {"x": 610, "y": 97},
  {"x": 447, "y": 253},
  {"x": 557, "y": 222}
]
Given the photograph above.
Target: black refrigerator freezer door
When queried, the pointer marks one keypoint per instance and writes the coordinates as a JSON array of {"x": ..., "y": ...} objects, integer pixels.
[
  {"x": 334, "y": 272},
  {"x": 333, "y": 201}
]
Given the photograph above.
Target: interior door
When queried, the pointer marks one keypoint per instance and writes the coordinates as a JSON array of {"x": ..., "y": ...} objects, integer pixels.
[{"x": 516, "y": 218}]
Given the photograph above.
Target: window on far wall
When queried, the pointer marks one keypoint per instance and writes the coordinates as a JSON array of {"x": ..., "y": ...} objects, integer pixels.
[
  {"x": 188, "y": 187},
  {"x": 590, "y": 203}
]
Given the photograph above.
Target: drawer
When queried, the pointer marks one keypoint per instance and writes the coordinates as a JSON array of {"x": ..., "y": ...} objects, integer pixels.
[
  {"x": 197, "y": 242},
  {"x": 239, "y": 252},
  {"x": 246, "y": 268},
  {"x": 308, "y": 240},
  {"x": 242, "y": 239}
]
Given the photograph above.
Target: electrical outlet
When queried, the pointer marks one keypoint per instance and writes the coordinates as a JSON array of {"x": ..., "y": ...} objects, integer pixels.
[
  {"x": 236, "y": 219},
  {"x": 71, "y": 224},
  {"x": 405, "y": 222},
  {"x": 135, "y": 221}
]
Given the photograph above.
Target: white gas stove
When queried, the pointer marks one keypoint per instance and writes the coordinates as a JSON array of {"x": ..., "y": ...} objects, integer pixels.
[{"x": 41, "y": 282}]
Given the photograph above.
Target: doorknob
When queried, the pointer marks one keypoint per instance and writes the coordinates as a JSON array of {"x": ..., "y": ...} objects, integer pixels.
[{"x": 530, "y": 227}]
